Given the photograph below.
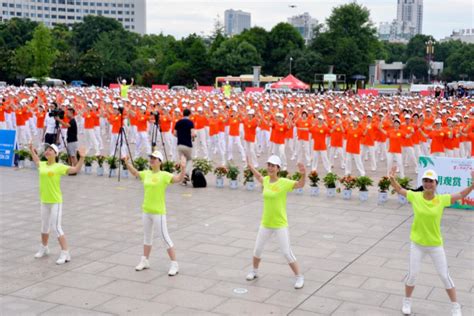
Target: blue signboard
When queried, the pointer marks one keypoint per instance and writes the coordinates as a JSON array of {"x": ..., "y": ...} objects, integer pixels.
[{"x": 7, "y": 147}]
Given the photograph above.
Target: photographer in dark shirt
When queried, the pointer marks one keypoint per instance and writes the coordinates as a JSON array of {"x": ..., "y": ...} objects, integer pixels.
[{"x": 71, "y": 138}]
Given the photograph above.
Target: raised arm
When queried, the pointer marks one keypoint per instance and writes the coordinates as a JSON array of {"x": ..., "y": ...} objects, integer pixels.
[
  {"x": 34, "y": 155},
  {"x": 180, "y": 177},
  {"x": 396, "y": 186},
  {"x": 302, "y": 180},
  {"x": 130, "y": 167},
  {"x": 461, "y": 195},
  {"x": 78, "y": 166},
  {"x": 255, "y": 172}
]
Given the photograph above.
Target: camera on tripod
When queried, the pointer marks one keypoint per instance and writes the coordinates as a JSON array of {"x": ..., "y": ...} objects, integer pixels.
[
  {"x": 56, "y": 112},
  {"x": 156, "y": 114}
]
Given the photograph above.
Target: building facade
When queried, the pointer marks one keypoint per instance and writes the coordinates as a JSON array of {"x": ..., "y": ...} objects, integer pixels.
[
  {"x": 235, "y": 21},
  {"x": 409, "y": 22},
  {"x": 394, "y": 73},
  {"x": 130, "y": 13},
  {"x": 305, "y": 24},
  {"x": 463, "y": 35}
]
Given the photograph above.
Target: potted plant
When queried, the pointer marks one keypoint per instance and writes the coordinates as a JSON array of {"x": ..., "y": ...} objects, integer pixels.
[
  {"x": 363, "y": 182},
  {"x": 88, "y": 160},
  {"x": 22, "y": 154},
  {"x": 220, "y": 173},
  {"x": 140, "y": 163},
  {"x": 296, "y": 177},
  {"x": 232, "y": 174},
  {"x": 112, "y": 162},
  {"x": 100, "y": 165},
  {"x": 405, "y": 184},
  {"x": 249, "y": 180},
  {"x": 202, "y": 164},
  {"x": 168, "y": 166},
  {"x": 384, "y": 185},
  {"x": 283, "y": 174},
  {"x": 330, "y": 180},
  {"x": 349, "y": 182},
  {"x": 314, "y": 182},
  {"x": 124, "y": 168},
  {"x": 64, "y": 158}
]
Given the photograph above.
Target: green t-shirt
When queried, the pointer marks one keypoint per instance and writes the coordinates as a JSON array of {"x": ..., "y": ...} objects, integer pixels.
[
  {"x": 154, "y": 184},
  {"x": 50, "y": 181},
  {"x": 227, "y": 90},
  {"x": 274, "y": 202},
  {"x": 124, "y": 90},
  {"x": 426, "y": 227}
]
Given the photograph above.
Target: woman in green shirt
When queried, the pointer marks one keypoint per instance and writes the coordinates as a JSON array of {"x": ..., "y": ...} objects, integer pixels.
[
  {"x": 155, "y": 182},
  {"x": 50, "y": 173},
  {"x": 274, "y": 219},
  {"x": 425, "y": 233}
]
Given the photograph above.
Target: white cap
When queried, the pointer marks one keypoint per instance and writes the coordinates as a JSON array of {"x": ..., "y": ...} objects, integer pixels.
[
  {"x": 157, "y": 154},
  {"x": 355, "y": 119},
  {"x": 430, "y": 174},
  {"x": 274, "y": 160},
  {"x": 438, "y": 121},
  {"x": 251, "y": 112},
  {"x": 124, "y": 81},
  {"x": 215, "y": 111},
  {"x": 407, "y": 116},
  {"x": 143, "y": 108},
  {"x": 53, "y": 147},
  {"x": 200, "y": 108},
  {"x": 320, "y": 117},
  {"x": 177, "y": 110},
  {"x": 279, "y": 115},
  {"x": 115, "y": 106}
]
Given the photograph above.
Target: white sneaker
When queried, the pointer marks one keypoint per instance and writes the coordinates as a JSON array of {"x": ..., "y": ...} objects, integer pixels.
[
  {"x": 299, "y": 283},
  {"x": 456, "y": 310},
  {"x": 64, "y": 257},
  {"x": 174, "y": 268},
  {"x": 251, "y": 276},
  {"x": 406, "y": 306},
  {"x": 43, "y": 251},
  {"x": 144, "y": 264}
]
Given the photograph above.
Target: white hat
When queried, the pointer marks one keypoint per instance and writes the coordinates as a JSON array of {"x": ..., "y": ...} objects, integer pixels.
[
  {"x": 430, "y": 174},
  {"x": 177, "y": 110},
  {"x": 320, "y": 117},
  {"x": 438, "y": 121},
  {"x": 279, "y": 115},
  {"x": 143, "y": 108},
  {"x": 215, "y": 111},
  {"x": 355, "y": 119},
  {"x": 274, "y": 160},
  {"x": 157, "y": 154},
  {"x": 124, "y": 81},
  {"x": 115, "y": 106},
  {"x": 200, "y": 108},
  {"x": 407, "y": 116},
  {"x": 251, "y": 112},
  {"x": 53, "y": 147}
]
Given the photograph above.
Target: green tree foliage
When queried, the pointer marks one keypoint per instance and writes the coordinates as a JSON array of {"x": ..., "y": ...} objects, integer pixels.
[
  {"x": 416, "y": 47},
  {"x": 43, "y": 51},
  {"x": 418, "y": 67},
  {"x": 85, "y": 34},
  {"x": 283, "y": 38},
  {"x": 235, "y": 58}
]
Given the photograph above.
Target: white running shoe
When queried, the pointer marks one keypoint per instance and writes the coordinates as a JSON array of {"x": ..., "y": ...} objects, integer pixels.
[
  {"x": 43, "y": 251},
  {"x": 64, "y": 257},
  {"x": 174, "y": 268},
  {"x": 456, "y": 310},
  {"x": 406, "y": 306},
  {"x": 144, "y": 264},
  {"x": 299, "y": 283},
  {"x": 251, "y": 276}
]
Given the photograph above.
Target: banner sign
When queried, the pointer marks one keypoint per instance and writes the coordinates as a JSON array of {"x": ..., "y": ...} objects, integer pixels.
[
  {"x": 7, "y": 147},
  {"x": 454, "y": 175}
]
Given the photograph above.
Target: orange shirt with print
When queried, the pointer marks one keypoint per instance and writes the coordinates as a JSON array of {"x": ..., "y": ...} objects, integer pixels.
[
  {"x": 40, "y": 116},
  {"x": 265, "y": 122},
  {"x": 142, "y": 122},
  {"x": 89, "y": 120},
  {"x": 213, "y": 126},
  {"x": 234, "y": 124},
  {"x": 319, "y": 134},
  {"x": 437, "y": 140},
  {"x": 165, "y": 123},
  {"x": 369, "y": 138},
  {"x": 408, "y": 129},
  {"x": 354, "y": 137},
  {"x": 250, "y": 129},
  {"x": 279, "y": 131},
  {"x": 20, "y": 116},
  {"x": 395, "y": 137},
  {"x": 114, "y": 120},
  {"x": 200, "y": 121},
  {"x": 2, "y": 113},
  {"x": 302, "y": 129}
]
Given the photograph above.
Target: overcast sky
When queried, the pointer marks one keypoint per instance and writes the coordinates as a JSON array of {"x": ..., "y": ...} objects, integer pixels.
[{"x": 183, "y": 17}]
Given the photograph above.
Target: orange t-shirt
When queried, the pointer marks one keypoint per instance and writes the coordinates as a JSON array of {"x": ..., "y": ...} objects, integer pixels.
[
  {"x": 437, "y": 140},
  {"x": 200, "y": 121},
  {"x": 250, "y": 129},
  {"x": 369, "y": 138},
  {"x": 396, "y": 140},
  {"x": 279, "y": 131},
  {"x": 114, "y": 120},
  {"x": 2, "y": 113},
  {"x": 302, "y": 129},
  {"x": 40, "y": 116},
  {"x": 319, "y": 136},
  {"x": 89, "y": 120},
  {"x": 353, "y": 136},
  {"x": 20, "y": 117},
  {"x": 142, "y": 122},
  {"x": 337, "y": 137},
  {"x": 213, "y": 126},
  {"x": 234, "y": 123},
  {"x": 165, "y": 123}
]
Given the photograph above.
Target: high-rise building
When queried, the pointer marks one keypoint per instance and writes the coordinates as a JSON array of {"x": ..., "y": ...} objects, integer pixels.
[
  {"x": 410, "y": 16},
  {"x": 235, "y": 21},
  {"x": 131, "y": 13},
  {"x": 305, "y": 24}
]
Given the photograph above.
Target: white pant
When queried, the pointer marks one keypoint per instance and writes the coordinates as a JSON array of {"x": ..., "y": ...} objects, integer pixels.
[
  {"x": 334, "y": 151},
  {"x": 283, "y": 236},
  {"x": 91, "y": 141},
  {"x": 3, "y": 125},
  {"x": 417, "y": 252},
  {"x": 409, "y": 153},
  {"x": 149, "y": 222},
  {"x": 51, "y": 216},
  {"x": 302, "y": 150},
  {"x": 122, "y": 152},
  {"x": 398, "y": 159},
  {"x": 232, "y": 140},
  {"x": 280, "y": 151},
  {"x": 201, "y": 144},
  {"x": 250, "y": 149},
  {"x": 369, "y": 151},
  {"x": 324, "y": 158},
  {"x": 142, "y": 142},
  {"x": 358, "y": 162},
  {"x": 381, "y": 149},
  {"x": 98, "y": 137},
  {"x": 23, "y": 135},
  {"x": 263, "y": 139}
]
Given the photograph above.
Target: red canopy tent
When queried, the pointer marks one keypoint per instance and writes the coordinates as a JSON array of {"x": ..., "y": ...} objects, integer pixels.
[{"x": 290, "y": 82}]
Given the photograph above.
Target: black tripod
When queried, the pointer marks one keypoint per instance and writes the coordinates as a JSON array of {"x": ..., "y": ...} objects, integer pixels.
[
  {"x": 118, "y": 145},
  {"x": 154, "y": 134}
]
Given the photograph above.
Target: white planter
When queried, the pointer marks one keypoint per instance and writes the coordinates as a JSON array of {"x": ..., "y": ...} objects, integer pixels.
[
  {"x": 250, "y": 186},
  {"x": 314, "y": 191},
  {"x": 363, "y": 195},
  {"x": 402, "y": 200},
  {"x": 346, "y": 194},
  {"x": 21, "y": 163},
  {"x": 100, "y": 171},
  {"x": 112, "y": 172},
  {"x": 31, "y": 164},
  {"x": 233, "y": 184},
  {"x": 219, "y": 182},
  {"x": 299, "y": 191},
  {"x": 124, "y": 174},
  {"x": 87, "y": 169},
  {"x": 331, "y": 192},
  {"x": 383, "y": 197}
]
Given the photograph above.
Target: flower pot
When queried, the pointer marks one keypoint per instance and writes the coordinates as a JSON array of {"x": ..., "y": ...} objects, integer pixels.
[
  {"x": 299, "y": 191},
  {"x": 112, "y": 172},
  {"x": 31, "y": 164},
  {"x": 383, "y": 197},
  {"x": 125, "y": 173},
  {"x": 219, "y": 182},
  {"x": 233, "y": 184},
  {"x": 402, "y": 200},
  {"x": 314, "y": 191},
  {"x": 331, "y": 192},
  {"x": 87, "y": 169},
  {"x": 21, "y": 164},
  {"x": 363, "y": 195},
  {"x": 100, "y": 171},
  {"x": 250, "y": 185},
  {"x": 346, "y": 194}
]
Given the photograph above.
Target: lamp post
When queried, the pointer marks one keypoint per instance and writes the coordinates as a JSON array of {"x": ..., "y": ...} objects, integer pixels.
[
  {"x": 429, "y": 51},
  {"x": 291, "y": 59}
]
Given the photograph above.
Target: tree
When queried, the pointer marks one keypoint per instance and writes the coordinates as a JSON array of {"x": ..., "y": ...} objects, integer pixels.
[
  {"x": 394, "y": 52},
  {"x": 21, "y": 62},
  {"x": 177, "y": 74},
  {"x": 235, "y": 58},
  {"x": 416, "y": 47},
  {"x": 418, "y": 67},
  {"x": 306, "y": 63},
  {"x": 86, "y": 33},
  {"x": 43, "y": 51},
  {"x": 283, "y": 38}
]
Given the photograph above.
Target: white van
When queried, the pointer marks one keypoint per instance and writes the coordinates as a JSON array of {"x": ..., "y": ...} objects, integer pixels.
[{"x": 49, "y": 82}]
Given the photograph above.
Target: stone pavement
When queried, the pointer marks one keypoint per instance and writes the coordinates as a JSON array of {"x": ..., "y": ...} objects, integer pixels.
[{"x": 354, "y": 255}]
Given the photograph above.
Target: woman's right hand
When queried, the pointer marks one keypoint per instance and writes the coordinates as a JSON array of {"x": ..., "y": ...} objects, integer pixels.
[{"x": 393, "y": 172}]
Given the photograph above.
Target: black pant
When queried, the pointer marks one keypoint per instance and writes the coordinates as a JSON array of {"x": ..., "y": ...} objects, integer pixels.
[{"x": 50, "y": 138}]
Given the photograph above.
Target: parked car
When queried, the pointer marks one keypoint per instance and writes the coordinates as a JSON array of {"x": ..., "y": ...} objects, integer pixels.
[
  {"x": 78, "y": 83},
  {"x": 49, "y": 82}
]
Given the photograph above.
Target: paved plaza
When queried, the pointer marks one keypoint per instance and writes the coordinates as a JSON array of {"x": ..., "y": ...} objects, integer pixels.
[{"x": 354, "y": 255}]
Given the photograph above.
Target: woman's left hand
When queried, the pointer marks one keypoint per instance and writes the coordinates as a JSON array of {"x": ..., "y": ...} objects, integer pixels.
[{"x": 301, "y": 168}]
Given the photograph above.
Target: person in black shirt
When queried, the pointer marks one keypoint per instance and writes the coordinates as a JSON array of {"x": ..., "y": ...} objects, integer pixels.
[
  {"x": 184, "y": 131},
  {"x": 71, "y": 137}
]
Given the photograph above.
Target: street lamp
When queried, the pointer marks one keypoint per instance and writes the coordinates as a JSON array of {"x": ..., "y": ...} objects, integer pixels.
[
  {"x": 291, "y": 59},
  {"x": 429, "y": 51}
]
